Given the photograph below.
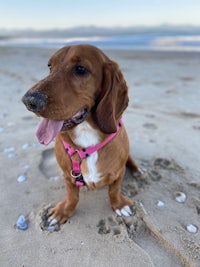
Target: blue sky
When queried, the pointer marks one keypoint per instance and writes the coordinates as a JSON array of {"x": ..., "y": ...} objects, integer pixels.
[{"x": 46, "y": 14}]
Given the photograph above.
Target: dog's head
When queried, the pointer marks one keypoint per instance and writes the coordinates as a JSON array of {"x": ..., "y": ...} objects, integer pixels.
[{"x": 82, "y": 80}]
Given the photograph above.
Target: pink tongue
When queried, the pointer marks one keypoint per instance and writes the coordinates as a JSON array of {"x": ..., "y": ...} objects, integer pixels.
[{"x": 47, "y": 130}]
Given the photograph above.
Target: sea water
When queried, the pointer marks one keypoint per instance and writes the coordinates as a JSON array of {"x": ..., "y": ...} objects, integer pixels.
[{"x": 147, "y": 41}]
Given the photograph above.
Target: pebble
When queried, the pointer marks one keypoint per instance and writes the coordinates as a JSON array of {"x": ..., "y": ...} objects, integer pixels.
[
  {"x": 21, "y": 178},
  {"x": 25, "y": 146},
  {"x": 8, "y": 149},
  {"x": 180, "y": 197},
  {"x": 21, "y": 223},
  {"x": 160, "y": 203},
  {"x": 192, "y": 228}
]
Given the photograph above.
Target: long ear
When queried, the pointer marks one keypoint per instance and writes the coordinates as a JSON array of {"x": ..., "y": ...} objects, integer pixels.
[{"x": 113, "y": 98}]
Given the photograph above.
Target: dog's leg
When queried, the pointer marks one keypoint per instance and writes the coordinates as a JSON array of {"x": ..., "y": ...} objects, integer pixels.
[
  {"x": 131, "y": 164},
  {"x": 65, "y": 209},
  {"x": 118, "y": 202}
]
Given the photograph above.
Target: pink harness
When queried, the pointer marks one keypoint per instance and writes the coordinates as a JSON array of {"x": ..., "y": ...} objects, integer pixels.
[{"x": 84, "y": 153}]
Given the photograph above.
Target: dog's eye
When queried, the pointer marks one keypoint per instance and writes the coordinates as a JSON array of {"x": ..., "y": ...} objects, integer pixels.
[{"x": 80, "y": 71}]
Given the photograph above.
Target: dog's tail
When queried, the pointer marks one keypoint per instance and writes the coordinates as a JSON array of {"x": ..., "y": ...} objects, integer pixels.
[{"x": 131, "y": 164}]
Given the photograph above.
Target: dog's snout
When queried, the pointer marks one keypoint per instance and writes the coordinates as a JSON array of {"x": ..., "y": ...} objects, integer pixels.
[{"x": 35, "y": 102}]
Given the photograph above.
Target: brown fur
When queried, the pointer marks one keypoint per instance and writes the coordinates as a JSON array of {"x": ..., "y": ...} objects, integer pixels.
[{"x": 104, "y": 92}]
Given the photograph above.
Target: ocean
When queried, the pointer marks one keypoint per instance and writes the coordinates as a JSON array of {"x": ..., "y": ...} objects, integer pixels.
[{"x": 146, "y": 41}]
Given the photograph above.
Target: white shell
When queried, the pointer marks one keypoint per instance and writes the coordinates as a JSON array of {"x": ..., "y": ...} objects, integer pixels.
[
  {"x": 160, "y": 203},
  {"x": 25, "y": 146},
  {"x": 8, "y": 149},
  {"x": 21, "y": 223},
  {"x": 180, "y": 197},
  {"x": 192, "y": 228},
  {"x": 21, "y": 178}
]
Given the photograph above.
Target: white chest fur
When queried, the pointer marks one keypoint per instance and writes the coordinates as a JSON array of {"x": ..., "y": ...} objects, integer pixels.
[{"x": 86, "y": 136}]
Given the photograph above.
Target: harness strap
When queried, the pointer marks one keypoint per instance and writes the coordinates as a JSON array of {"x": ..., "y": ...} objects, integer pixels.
[
  {"x": 76, "y": 166},
  {"x": 84, "y": 153}
]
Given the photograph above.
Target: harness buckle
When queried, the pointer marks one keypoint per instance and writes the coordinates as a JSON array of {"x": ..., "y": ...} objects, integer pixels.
[
  {"x": 75, "y": 175},
  {"x": 78, "y": 177}
]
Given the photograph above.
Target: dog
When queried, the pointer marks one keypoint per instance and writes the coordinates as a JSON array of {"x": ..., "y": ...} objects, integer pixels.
[{"x": 81, "y": 103}]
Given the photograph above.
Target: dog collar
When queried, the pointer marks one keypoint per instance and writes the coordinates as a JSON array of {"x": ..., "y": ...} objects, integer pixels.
[{"x": 84, "y": 153}]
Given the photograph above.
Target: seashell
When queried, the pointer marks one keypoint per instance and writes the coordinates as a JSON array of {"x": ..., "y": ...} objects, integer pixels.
[
  {"x": 160, "y": 203},
  {"x": 21, "y": 178},
  {"x": 8, "y": 149},
  {"x": 25, "y": 146},
  {"x": 180, "y": 197},
  {"x": 21, "y": 223},
  {"x": 192, "y": 228}
]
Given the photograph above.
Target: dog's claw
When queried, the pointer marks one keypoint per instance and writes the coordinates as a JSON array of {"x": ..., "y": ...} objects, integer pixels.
[
  {"x": 53, "y": 222},
  {"x": 140, "y": 172},
  {"x": 125, "y": 211}
]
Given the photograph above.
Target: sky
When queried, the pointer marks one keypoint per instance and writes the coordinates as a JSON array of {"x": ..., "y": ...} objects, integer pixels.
[{"x": 48, "y": 14}]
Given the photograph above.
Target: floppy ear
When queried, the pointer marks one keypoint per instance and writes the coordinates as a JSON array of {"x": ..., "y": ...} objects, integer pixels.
[{"x": 113, "y": 98}]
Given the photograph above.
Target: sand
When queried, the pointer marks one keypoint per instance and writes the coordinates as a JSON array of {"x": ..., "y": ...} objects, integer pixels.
[{"x": 163, "y": 124}]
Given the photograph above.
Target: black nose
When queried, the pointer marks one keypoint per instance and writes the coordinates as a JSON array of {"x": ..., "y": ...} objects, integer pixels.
[{"x": 35, "y": 102}]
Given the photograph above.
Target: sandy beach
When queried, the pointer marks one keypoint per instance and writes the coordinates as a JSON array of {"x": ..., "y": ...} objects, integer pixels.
[{"x": 163, "y": 124}]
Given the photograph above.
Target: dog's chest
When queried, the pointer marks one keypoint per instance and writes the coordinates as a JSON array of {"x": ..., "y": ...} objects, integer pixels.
[{"x": 86, "y": 136}]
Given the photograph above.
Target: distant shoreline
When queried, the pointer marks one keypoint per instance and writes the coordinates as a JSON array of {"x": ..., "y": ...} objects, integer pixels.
[
  {"x": 164, "y": 37},
  {"x": 151, "y": 42}
]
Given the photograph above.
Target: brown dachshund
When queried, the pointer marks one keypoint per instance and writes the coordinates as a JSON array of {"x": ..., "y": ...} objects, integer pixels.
[{"x": 82, "y": 101}]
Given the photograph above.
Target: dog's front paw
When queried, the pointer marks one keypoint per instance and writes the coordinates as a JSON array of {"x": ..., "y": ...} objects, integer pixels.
[
  {"x": 59, "y": 214},
  {"x": 121, "y": 205},
  {"x": 125, "y": 211}
]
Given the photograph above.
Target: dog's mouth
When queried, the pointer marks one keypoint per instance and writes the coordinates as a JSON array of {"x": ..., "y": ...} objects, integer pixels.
[
  {"x": 48, "y": 129},
  {"x": 79, "y": 117}
]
